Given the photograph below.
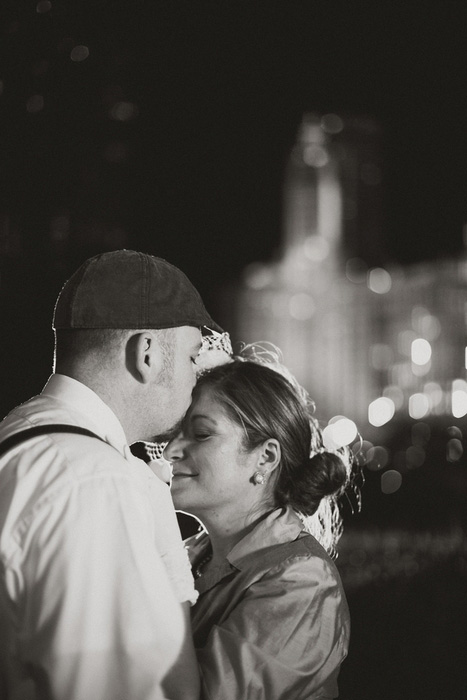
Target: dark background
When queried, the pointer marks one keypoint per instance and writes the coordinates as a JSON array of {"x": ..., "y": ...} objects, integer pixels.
[{"x": 171, "y": 137}]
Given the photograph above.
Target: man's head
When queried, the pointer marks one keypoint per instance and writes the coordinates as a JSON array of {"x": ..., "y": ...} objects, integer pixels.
[{"x": 128, "y": 325}]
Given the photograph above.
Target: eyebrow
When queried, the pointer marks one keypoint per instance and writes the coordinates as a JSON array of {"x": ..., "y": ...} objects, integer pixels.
[{"x": 195, "y": 416}]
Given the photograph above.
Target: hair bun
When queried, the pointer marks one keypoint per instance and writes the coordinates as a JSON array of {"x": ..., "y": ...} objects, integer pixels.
[{"x": 327, "y": 472}]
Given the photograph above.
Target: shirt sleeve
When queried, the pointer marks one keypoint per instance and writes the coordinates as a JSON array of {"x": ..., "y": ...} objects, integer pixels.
[
  {"x": 98, "y": 614},
  {"x": 286, "y": 638}
]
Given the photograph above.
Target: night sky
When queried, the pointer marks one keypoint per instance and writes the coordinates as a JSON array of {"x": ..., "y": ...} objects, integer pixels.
[{"x": 171, "y": 134}]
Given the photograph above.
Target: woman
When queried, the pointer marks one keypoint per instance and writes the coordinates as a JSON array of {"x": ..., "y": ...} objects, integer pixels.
[{"x": 271, "y": 621}]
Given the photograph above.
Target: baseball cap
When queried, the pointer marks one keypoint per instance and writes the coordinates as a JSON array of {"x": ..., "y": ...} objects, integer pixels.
[{"x": 128, "y": 289}]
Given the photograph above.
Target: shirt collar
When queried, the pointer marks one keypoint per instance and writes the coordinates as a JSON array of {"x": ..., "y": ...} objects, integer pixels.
[
  {"x": 278, "y": 527},
  {"x": 282, "y": 525},
  {"x": 93, "y": 411}
]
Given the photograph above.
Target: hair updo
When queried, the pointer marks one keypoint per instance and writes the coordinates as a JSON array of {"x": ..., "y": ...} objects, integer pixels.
[{"x": 267, "y": 405}]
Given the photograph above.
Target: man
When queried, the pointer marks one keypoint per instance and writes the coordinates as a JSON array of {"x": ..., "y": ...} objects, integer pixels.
[{"x": 95, "y": 582}]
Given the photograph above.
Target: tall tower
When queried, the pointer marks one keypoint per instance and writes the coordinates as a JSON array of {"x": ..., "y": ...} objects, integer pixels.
[{"x": 304, "y": 302}]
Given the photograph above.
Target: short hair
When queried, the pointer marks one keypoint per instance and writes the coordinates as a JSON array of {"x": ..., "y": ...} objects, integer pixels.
[
  {"x": 81, "y": 342},
  {"x": 266, "y": 405}
]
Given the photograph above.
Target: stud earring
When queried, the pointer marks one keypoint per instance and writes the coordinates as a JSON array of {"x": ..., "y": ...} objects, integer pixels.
[{"x": 259, "y": 478}]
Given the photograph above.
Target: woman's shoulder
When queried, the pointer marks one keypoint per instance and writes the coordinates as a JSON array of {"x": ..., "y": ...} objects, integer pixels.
[{"x": 301, "y": 556}]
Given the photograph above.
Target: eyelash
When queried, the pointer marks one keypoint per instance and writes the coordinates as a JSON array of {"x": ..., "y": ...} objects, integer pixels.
[{"x": 201, "y": 436}]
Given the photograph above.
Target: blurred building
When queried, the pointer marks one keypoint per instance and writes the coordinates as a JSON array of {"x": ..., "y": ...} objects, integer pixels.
[{"x": 367, "y": 339}]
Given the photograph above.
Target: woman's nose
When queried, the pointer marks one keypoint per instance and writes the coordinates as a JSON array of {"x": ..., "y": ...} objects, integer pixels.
[{"x": 174, "y": 449}]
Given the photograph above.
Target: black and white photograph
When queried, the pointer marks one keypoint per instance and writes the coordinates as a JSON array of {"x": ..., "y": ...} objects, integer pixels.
[{"x": 233, "y": 342}]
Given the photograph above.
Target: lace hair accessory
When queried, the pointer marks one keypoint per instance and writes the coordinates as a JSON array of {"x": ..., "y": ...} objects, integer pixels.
[
  {"x": 216, "y": 349},
  {"x": 326, "y": 524}
]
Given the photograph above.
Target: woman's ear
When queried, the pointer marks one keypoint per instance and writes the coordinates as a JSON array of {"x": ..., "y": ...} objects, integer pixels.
[
  {"x": 147, "y": 356},
  {"x": 269, "y": 455}
]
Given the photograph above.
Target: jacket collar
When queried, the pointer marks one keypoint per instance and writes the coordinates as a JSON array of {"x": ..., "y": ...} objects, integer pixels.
[{"x": 278, "y": 527}]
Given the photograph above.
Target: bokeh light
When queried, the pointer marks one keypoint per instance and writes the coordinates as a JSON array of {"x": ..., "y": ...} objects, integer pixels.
[
  {"x": 459, "y": 403},
  {"x": 425, "y": 323},
  {"x": 455, "y": 432},
  {"x": 391, "y": 481},
  {"x": 454, "y": 450},
  {"x": 360, "y": 449},
  {"x": 396, "y": 395},
  {"x": 379, "y": 280},
  {"x": 339, "y": 433},
  {"x": 377, "y": 458},
  {"x": 420, "y": 351},
  {"x": 380, "y": 411},
  {"x": 315, "y": 155},
  {"x": 434, "y": 393},
  {"x": 419, "y": 405},
  {"x": 79, "y": 53},
  {"x": 332, "y": 123},
  {"x": 459, "y": 398}
]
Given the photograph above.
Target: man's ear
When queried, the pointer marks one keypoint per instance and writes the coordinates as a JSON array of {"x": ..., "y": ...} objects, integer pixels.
[
  {"x": 146, "y": 355},
  {"x": 269, "y": 456}
]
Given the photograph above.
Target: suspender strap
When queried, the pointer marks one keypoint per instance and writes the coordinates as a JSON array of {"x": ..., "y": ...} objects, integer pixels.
[{"x": 22, "y": 435}]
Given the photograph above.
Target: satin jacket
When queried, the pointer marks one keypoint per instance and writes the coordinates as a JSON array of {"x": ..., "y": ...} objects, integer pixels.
[{"x": 272, "y": 623}]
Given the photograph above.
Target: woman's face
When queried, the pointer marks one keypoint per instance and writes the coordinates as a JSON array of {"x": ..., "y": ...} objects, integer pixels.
[{"x": 211, "y": 470}]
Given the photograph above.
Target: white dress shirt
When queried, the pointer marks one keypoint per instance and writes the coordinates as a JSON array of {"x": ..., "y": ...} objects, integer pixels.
[{"x": 93, "y": 566}]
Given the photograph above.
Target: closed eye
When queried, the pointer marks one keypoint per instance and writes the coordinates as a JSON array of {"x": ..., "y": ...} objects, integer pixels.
[{"x": 201, "y": 436}]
